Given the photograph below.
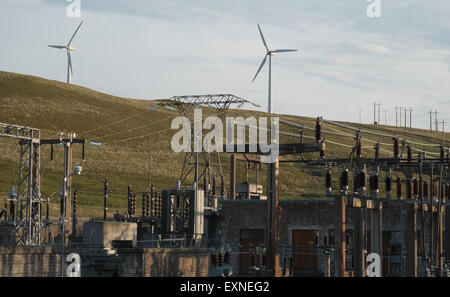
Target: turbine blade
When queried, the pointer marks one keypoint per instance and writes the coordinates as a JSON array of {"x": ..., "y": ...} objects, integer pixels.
[
  {"x": 57, "y": 46},
  {"x": 75, "y": 33},
  {"x": 260, "y": 67},
  {"x": 262, "y": 37},
  {"x": 284, "y": 50}
]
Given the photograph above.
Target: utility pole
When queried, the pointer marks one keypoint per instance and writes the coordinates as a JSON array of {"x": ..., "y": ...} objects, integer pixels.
[
  {"x": 149, "y": 168},
  {"x": 405, "y": 117},
  {"x": 105, "y": 198},
  {"x": 431, "y": 120},
  {"x": 396, "y": 115},
  {"x": 379, "y": 107},
  {"x": 385, "y": 117},
  {"x": 443, "y": 130},
  {"x": 375, "y": 113},
  {"x": 360, "y": 117},
  {"x": 436, "y": 121},
  {"x": 410, "y": 117}
]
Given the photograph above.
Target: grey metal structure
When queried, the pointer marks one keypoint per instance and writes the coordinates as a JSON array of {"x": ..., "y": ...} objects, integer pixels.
[
  {"x": 186, "y": 104},
  {"x": 221, "y": 102},
  {"x": 27, "y": 205},
  {"x": 183, "y": 212}
]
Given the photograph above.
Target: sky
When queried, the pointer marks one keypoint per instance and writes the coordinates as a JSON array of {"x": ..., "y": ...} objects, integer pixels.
[{"x": 152, "y": 49}]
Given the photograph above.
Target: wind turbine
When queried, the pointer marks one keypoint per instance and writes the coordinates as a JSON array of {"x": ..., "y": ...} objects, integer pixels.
[
  {"x": 270, "y": 54},
  {"x": 69, "y": 49}
]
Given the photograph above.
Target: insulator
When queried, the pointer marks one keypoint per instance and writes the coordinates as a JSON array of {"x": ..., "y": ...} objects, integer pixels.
[
  {"x": 416, "y": 188},
  {"x": 227, "y": 257},
  {"x": 448, "y": 192},
  {"x": 433, "y": 190},
  {"x": 375, "y": 183},
  {"x": 221, "y": 258},
  {"x": 359, "y": 149},
  {"x": 442, "y": 191},
  {"x": 51, "y": 152},
  {"x": 425, "y": 190},
  {"x": 82, "y": 152},
  {"x": 399, "y": 188},
  {"x": 409, "y": 154},
  {"x": 362, "y": 180},
  {"x": 355, "y": 182},
  {"x": 214, "y": 186},
  {"x": 318, "y": 130},
  {"x": 328, "y": 181},
  {"x": 388, "y": 184},
  {"x": 409, "y": 189},
  {"x": 74, "y": 201},
  {"x": 396, "y": 148},
  {"x": 133, "y": 209},
  {"x": 222, "y": 187},
  {"x": 214, "y": 258},
  {"x": 344, "y": 180},
  {"x": 322, "y": 152},
  {"x": 253, "y": 260},
  {"x": 377, "y": 151},
  {"x": 130, "y": 198},
  {"x": 143, "y": 205}
]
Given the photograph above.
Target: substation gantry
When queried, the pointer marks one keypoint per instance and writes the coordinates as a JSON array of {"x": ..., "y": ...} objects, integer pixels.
[
  {"x": 187, "y": 104},
  {"x": 25, "y": 204}
]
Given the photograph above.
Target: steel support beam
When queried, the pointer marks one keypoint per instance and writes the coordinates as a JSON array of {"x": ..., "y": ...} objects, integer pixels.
[
  {"x": 339, "y": 237},
  {"x": 273, "y": 238}
]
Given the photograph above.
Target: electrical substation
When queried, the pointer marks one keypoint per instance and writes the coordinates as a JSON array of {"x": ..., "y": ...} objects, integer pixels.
[{"x": 394, "y": 206}]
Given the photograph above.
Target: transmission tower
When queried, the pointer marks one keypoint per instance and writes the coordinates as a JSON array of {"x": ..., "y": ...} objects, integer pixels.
[{"x": 185, "y": 105}]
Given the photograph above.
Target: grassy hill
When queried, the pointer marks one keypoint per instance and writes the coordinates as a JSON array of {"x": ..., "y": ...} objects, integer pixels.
[{"x": 123, "y": 158}]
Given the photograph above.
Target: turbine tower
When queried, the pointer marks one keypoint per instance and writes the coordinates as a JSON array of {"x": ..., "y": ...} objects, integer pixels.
[
  {"x": 69, "y": 49},
  {"x": 270, "y": 54}
]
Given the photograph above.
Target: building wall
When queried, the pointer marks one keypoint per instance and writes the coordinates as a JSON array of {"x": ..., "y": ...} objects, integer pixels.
[
  {"x": 30, "y": 261},
  {"x": 176, "y": 262},
  {"x": 316, "y": 215},
  {"x": 129, "y": 262}
]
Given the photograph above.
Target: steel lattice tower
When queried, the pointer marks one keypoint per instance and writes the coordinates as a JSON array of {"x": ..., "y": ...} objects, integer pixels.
[{"x": 27, "y": 215}]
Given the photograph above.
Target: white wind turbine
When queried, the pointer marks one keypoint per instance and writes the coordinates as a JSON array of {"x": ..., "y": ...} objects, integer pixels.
[
  {"x": 270, "y": 54},
  {"x": 69, "y": 49}
]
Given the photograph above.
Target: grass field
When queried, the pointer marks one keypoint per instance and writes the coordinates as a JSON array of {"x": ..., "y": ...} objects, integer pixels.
[{"x": 123, "y": 158}]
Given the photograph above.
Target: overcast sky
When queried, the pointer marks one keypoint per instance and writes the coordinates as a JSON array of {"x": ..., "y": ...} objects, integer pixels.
[{"x": 151, "y": 49}]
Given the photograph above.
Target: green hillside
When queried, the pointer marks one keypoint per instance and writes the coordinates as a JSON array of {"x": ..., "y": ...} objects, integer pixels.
[{"x": 119, "y": 123}]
